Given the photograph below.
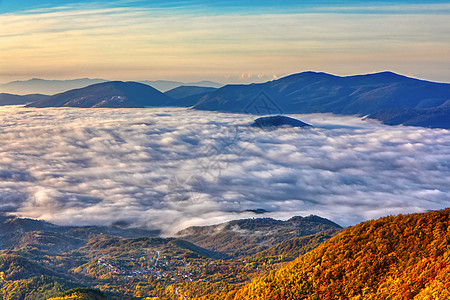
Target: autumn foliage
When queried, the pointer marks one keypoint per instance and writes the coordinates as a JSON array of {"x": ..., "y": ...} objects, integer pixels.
[
  {"x": 80, "y": 294},
  {"x": 403, "y": 257}
]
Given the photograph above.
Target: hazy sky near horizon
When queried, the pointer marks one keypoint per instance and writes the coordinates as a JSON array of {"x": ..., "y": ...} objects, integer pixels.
[{"x": 224, "y": 41}]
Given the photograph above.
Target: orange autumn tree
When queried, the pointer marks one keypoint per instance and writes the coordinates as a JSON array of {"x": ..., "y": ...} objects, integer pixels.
[
  {"x": 403, "y": 257},
  {"x": 80, "y": 294}
]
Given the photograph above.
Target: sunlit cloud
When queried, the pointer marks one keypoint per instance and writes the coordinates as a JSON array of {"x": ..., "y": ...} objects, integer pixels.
[
  {"x": 168, "y": 43},
  {"x": 170, "y": 168}
]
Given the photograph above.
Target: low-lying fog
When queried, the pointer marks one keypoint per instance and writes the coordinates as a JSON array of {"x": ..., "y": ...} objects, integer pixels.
[{"x": 169, "y": 168}]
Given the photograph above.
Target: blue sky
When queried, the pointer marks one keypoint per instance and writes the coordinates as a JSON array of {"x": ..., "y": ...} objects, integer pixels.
[
  {"x": 226, "y": 41},
  {"x": 230, "y": 6}
]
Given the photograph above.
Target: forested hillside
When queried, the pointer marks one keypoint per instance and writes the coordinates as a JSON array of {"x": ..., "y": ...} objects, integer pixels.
[
  {"x": 250, "y": 236},
  {"x": 403, "y": 257},
  {"x": 39, "y": 260}
]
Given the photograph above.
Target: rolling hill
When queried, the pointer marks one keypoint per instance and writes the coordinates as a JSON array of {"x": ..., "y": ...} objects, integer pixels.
[
  {"x": 186, "y": 96},
  {"x": 187, "y": 91},
  {"x": 386, "y": 96},
  {"x": 402, "y": 257},
  {"x": 166, "y": 85},
  {"x": 278, "y": 121},
  {"x": 113, "y": 94},
  {"x": 23, "y": 233},
  {"x": 395, "y": 257},
  {"x": 39, "y": 260},
  {"x": 249, "y": 236},
  {"x": 80, "y": 294},
  {"x": 35, "y": 288},
  {"x": 51, "y": 87}
]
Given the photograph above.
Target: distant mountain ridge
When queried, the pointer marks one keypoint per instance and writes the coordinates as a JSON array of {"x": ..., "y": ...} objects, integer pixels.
[
  {"x": 391, "y": 98},
  {"x": 186, "y": 91},
  {"x": 51, "y": 87},
  {"x": 166, "y": 85},
  {"x": 47, "y": 87},
  {"x": 113, "y": 94},
  {"x": 386, "y": 96}
]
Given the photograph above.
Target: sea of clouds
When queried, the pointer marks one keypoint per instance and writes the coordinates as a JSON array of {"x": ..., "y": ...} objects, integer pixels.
[{"x": 169, "y": 168}]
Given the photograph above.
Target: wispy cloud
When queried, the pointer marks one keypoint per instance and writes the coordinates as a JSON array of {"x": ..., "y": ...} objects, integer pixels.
[
  {"x": 170, "y": 168},
  {"x": 388, "y": 8},
  {"x": 154, "y": 43}
]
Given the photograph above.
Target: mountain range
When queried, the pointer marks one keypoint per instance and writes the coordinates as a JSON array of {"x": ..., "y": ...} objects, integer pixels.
[
  {"x": 51, "y": 87},
  {"x": 386, "y": 96},
  {"x": 39, "y": 260},
  {"x": 47, "y": 87},
  {"x": 391, "y": 98},
  {"x": 394, "y": 257},
  {"x": 115, "y": 94}
]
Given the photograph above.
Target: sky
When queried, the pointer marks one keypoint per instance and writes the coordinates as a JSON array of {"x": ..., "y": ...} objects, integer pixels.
[
  {"x": 223, "y": 41},
  {"x": 170, "y": 168}
]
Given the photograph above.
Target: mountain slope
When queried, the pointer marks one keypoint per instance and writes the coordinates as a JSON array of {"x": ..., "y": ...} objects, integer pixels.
[
  {"x": 18, "y": 233},
  {"x": 426, "y": 117},
  {"x": 13, "y": 267},
  {"x": 248, "y": 236},
  {"x": 51, "y": 87},
  {"x": 80, "y": 294},
  {"x": 142, "y": 266},
  {"x": 35, "y": 288},
  {"x": 166, "y": 85},
  {"x": 9, "y": 99},
  {"x": 311, "y": 92},
  {"x": 113, "y": 94},
  {"x": 290, "y": 249},
  {"x": 186, "y": 91},
  {"x": 403, "y": 257},
  {"x": 187, "y": 96}
]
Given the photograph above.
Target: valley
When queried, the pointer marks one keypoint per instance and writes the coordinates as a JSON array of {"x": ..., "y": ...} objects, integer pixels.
[
  {"x": 145, "y": 266},
  {"x": 376, "y": 259}
]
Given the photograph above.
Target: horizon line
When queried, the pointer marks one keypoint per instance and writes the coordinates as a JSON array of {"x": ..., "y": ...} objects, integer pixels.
[{"x": 412, "y": 76}]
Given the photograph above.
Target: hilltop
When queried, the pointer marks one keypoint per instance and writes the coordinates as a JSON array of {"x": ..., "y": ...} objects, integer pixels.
[
  {"x": 113, "y": 94},
  {"x": 402, "y": 257},
  {"x": 51, "y": 87},
  {"x": 187, "y": 91},
  {"x": 386, "y": 96},
  {"x": 277, "y": 121},
  {"x": 249, "y": 236}
]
